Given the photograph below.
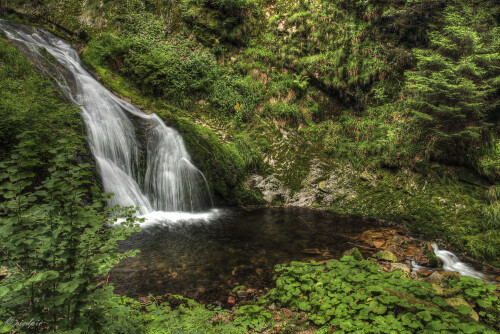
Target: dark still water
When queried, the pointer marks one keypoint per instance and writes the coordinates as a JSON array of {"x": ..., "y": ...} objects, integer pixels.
[{"x": 206, "y": 258}]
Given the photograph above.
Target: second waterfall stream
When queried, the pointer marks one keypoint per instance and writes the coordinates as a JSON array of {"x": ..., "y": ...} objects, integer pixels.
[{"x": 141, "y": 160}]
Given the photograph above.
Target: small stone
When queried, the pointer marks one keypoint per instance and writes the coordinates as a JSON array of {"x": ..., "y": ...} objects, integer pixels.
[
  {"x": 3, "y": 272},
  {"x": 438, "y": 289},
  {"x": 406, "y": 268},
  {"x": 414, "y": 275},
  {"x": 366, "y": 176},
  {"x": 424, "y": 272},
  {"x": 398, "y": 239},
  {"x": 385, "y": 255},
  {"x": 251, "y": 291},
  {"x": 241, "y": 294},
  {"x": 460, "y": 301},
  {"x": 312, "y": 251},
  {"x": 354, "y": 252},
  {"x": 322, "y": 186},
  {"x": 436, "y": 277},
  {"x": 378, "y": 243}
]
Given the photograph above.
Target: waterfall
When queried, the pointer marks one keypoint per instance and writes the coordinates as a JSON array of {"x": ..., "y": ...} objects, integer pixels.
[
  {"x": 153, "y": 171},
  {"x": 452, "y": 263}
]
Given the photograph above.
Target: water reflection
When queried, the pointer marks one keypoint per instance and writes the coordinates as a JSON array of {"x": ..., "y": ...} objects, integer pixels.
[{"x": 204, "y": 259}]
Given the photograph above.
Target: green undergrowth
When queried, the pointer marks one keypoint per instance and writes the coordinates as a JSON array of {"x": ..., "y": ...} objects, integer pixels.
[
  {"x": 354, "y": 296},
  {"x": 31, "y": 102}
]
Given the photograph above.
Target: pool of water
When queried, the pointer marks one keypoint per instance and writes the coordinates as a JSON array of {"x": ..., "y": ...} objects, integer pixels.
[{"x": 205, "y": 258}]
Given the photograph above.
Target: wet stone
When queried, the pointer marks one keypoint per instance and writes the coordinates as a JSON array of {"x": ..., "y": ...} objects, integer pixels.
[{"x": 406, "y": 268}]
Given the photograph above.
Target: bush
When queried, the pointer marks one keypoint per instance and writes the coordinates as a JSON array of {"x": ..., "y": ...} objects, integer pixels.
[{"x": 58, "y": 244}]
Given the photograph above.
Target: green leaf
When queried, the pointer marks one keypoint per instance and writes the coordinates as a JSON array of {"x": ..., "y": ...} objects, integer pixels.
[{"x": 463, "y": 309}]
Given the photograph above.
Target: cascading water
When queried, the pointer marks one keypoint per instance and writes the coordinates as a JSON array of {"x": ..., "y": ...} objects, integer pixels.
[
  {"x": 168, "y": 182},
  {"x": 452, "y": 263}
]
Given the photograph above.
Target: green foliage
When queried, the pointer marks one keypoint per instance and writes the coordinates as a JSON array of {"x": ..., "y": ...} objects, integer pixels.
[
  {"x": 281, "y": 110},
  {"x": 481, "y": 294},
  {"x": 30, "y": 102},
  {"x": 449, "y": 92},
  {"x": 231, "y": 20},
  {"x": 57, "y": 244},
  {"x": 354, "y": 296},
  {"x": 252, "y": 317}
]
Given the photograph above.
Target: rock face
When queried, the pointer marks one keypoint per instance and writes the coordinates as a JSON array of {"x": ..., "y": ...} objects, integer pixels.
[{"x": 319, "y": 186}]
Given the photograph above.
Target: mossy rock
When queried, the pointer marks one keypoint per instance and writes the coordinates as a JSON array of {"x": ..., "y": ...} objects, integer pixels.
[
  {"x": 385, "y": 255},
  {"x": 354, "y": 252}
]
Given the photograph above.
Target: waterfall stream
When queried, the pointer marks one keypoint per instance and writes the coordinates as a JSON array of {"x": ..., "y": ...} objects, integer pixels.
[
  {"x": 452, "y": 263},
  {"x": 141, "y": 160}
]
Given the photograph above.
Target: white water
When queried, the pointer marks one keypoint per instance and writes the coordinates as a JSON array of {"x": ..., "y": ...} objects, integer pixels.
[
  {"x": 168, "y": 182},
  {"x": 452, "y": 263}
]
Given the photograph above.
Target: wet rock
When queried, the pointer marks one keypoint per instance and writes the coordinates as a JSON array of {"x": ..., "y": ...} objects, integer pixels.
[
  {"x": 354, "y": 252},
  {"x": 399, "y": 239},
  {"x": 406, "y": 268},
  {"x": 385, "y": 255},
  {"x": 436, "y": 277},
  {"x": 460, "y": 301},
  {"x": 398, "y": 251},
  {"x": 378, "y": 243},
  {"x": 425, "y": 273},
  {"x": 449, "y": 273},
  {"x": 312, "y": 251}
]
